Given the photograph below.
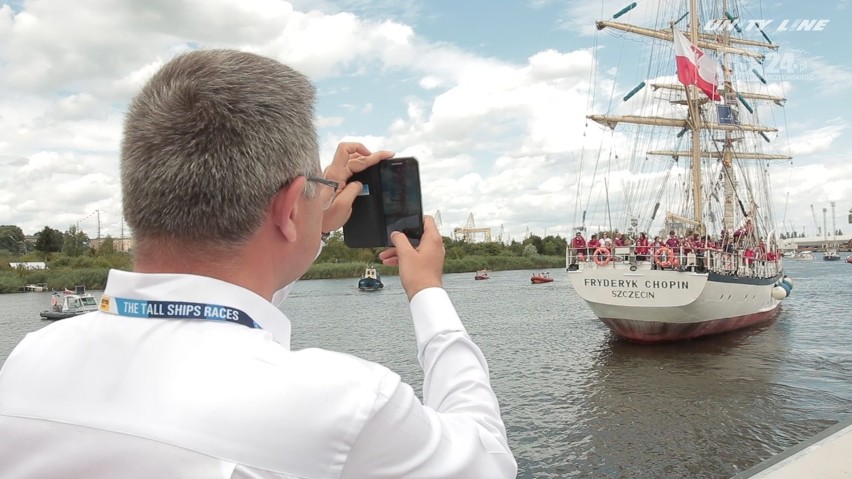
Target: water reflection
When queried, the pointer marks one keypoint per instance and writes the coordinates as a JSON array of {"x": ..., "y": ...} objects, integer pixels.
[{"x": 714, "y": 404}]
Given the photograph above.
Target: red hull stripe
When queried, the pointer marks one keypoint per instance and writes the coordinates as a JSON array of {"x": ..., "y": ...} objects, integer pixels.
[{"x": 655, "y": 331}]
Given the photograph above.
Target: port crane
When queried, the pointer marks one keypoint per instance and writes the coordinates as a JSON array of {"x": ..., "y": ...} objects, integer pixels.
[
  {"x": 469, "y": 232},
  {"x": 816, "y": 225}
]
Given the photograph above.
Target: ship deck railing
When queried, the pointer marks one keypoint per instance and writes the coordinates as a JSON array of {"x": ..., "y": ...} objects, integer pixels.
[{"x": 733, "y": 263}]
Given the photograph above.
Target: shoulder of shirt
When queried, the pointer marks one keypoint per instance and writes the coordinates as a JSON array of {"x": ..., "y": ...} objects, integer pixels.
[{"x": 336, "y": 363}]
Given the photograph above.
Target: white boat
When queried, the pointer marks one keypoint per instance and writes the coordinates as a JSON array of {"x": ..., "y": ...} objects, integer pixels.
[
  {"x": 70, "y": 303},
  {"x": 693, "y": 163},
  {"x": 804, "y": 255},
  {"x": 830, "y": 249}
]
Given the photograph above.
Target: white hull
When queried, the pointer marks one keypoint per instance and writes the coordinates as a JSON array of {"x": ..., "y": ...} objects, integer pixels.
[{"x": 650, "y": 305}]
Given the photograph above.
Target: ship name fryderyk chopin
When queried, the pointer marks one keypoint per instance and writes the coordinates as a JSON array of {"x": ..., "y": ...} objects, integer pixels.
[{"x": 635, "y": 283}]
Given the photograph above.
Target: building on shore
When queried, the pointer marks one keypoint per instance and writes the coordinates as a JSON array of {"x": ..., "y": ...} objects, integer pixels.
[
  {"x": 119, "y": 244},
  {"x": 817, "y": 243}
]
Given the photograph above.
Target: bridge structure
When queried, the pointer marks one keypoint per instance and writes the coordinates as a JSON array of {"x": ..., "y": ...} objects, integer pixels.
[{"x": 470, "y": 233}]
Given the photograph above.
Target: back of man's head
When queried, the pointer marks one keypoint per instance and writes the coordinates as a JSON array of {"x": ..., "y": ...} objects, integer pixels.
[{"x": 210, "y": 138}]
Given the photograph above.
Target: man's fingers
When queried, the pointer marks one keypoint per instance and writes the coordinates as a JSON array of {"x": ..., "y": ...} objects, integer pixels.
[
  {"x": 400, "y": 242},
  {"x": 347, "y": 194},
  {"x": 429, "y": 226},
  {"x": 351, "y": 158},
  {"x": 393, "y": 261},
  {"x": 364, "y": 162},
  {"x": 347, "y": 150},
  {"x": 389, "y": 257}
]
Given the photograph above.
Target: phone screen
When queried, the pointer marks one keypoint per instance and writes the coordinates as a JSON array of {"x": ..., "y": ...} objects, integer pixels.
[
  {"x": 401, "y": 200},
  {"x": 389, "y": 201}
]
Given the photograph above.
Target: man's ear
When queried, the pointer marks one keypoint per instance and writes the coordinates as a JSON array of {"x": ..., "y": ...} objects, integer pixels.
[{"x": 285, "y": 207}]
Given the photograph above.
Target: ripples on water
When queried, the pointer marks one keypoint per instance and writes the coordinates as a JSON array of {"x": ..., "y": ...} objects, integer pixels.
[{"x": 578, "y": 402}]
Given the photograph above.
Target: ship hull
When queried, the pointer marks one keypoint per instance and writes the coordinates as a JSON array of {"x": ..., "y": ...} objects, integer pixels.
[
  {"x": 657, "y": 331},
  {"x": 370, "y": 284},
  {"x": 652, "y": 306}
]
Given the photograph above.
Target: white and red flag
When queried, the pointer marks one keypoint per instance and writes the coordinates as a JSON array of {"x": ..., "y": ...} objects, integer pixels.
[{"x": 694, "y": 67}]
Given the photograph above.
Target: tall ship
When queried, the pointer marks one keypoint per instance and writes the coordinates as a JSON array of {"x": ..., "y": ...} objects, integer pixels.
[{"x": 684, "y": 240}]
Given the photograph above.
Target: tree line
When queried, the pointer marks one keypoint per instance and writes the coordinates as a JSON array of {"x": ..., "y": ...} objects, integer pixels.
[{"x": 71, "y": 259}]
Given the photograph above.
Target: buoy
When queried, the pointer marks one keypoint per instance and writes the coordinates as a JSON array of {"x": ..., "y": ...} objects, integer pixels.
[
  {"x": 779, "y": 293},
  {"x": 787, "y": 284}
]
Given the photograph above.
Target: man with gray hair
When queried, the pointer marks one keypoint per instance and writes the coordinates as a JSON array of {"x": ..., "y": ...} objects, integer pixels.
[{"x": 186, "y": 370}]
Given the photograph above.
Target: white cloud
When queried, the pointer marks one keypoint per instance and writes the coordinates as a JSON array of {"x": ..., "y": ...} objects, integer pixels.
[
  {"x": 819, "y": 140},
  {"x": 497, "y": 137}
]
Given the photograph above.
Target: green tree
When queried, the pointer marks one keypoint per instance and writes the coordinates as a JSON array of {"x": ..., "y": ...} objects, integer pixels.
[
  {"x": 12, "y": 239},
  {"x": 76, "y": 243},
  {"x": 107, "y": 246},
  {"x": 537, "y": 243},
  {"x": 49, "y": 240},
  {"x": 554, "y": 245},
  {"x": 336, "y": 251}
]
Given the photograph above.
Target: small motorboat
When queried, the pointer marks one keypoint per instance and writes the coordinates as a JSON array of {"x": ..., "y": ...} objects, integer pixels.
[
  {"x": 831, "y": 255},
  {"x": 481, "y": 274},
  {"x": 370, "y": 280},
  {"x": 541, "y": 278},
  {"x": 70, "y": 303},
  {"x": 36, "y": 288},
  {"x": 804, "y": 255}
]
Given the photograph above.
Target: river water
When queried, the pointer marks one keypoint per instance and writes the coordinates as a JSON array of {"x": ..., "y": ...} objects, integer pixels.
[{"x": 578, "y": 402}]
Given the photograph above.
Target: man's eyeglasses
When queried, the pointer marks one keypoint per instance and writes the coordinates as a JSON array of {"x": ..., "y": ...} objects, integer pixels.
[{"x": 334, "y": 186}]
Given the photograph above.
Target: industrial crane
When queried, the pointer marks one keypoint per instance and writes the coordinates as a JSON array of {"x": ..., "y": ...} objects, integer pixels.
[
  {"x": 816, "y": 225},
  {"x": 470, "y": 232}
]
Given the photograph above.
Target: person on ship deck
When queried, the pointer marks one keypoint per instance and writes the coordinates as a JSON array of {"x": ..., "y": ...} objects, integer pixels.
[
  {"x": 594, "y": 243},
  {"x": 642, "y": 247},
  {"x": 578, "y": 249}
]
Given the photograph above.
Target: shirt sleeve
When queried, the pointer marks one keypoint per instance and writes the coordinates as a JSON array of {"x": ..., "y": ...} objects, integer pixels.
[{"x": 457, "y": 431}]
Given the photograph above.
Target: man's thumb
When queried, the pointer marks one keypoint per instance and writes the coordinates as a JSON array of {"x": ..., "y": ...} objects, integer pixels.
[{"x": 400, "y": 241}]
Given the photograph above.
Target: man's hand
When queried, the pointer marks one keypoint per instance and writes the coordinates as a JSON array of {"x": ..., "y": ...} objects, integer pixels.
[
  {"x": 349, "y": 158},
  {"x": 421, "y": 267}
]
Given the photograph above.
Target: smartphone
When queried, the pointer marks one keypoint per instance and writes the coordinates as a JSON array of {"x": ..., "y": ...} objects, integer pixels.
[{"x": 390, "y": 200}]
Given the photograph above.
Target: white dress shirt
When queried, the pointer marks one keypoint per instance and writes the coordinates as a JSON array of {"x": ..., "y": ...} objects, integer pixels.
[{"x": 124, "y": 393}]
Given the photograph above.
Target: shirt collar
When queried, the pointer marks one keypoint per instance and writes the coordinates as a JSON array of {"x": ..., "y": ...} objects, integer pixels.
[{"x": 200, "y": 289}]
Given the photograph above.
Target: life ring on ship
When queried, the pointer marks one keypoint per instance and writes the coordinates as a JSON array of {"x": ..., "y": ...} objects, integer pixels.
[
  {"x": 669, "y": 257},
  {"x": 602, "y": 256}
]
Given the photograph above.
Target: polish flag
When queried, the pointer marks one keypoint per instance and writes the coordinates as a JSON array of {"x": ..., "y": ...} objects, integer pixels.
[{"x": 694, "y": 67}]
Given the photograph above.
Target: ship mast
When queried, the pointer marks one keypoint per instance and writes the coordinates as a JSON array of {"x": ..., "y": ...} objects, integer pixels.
[
  {"x": 729, "y": 180},
  {"x": 695, "y": 121},
  {"x": 725, "y": 45}
]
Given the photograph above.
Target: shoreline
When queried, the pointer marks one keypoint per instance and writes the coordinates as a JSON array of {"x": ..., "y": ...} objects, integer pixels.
[{"x": 94, "y": 279}]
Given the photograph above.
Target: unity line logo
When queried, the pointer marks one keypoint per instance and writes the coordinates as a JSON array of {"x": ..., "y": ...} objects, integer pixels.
[{"x": 767, "y": 25}]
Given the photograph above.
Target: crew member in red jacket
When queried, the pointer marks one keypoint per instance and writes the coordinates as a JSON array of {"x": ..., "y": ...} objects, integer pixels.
[
  {"x": 643, "y": 247},
  {"x": 578, "y": 248}
]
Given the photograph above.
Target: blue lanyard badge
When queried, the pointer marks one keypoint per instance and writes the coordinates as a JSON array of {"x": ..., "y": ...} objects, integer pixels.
[{"x": 138, "y": 308}]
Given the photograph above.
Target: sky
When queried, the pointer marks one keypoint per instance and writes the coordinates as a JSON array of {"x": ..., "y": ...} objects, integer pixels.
[{"x": 491, "y": 97}]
